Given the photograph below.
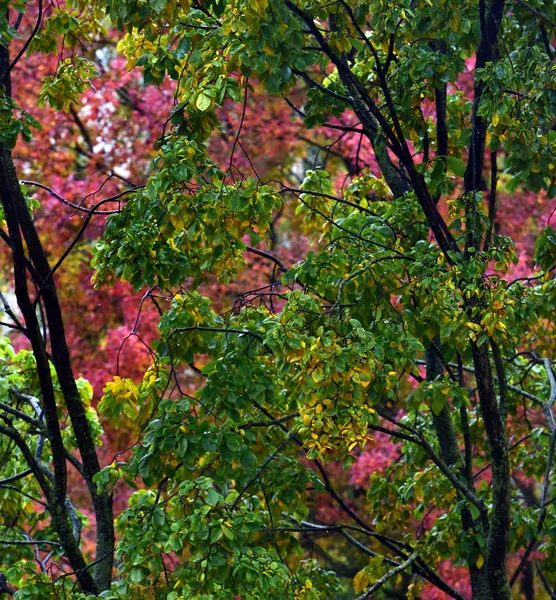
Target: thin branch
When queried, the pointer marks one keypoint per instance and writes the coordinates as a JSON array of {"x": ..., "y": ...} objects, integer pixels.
[
  {"x": 215, "y": 330},
  {"x": 27, "y": 42},
  {"x": 444, "y": 468},
  {"x": 20, "y": 415},
  {"x": 546, "y": 41},
  {"x": 260, "y": 469},
  {"x": 315, "y": 84},
  {"x": 16, "y": 489},
  {"x": 281, "y": 266},
  {"x": 8, "y": 310},
  {"x": 511, "y": 387},
  {"x": 29, "y": 543},
  {"x": 297, "y": 191},
  {"x": 545, "y": 583},
  {"x": 269, "y": 423},
  {"x": 342, "y": 530},
  {"x": 35, "y": 467},
  {"x": 402, "y": 567},
  {"x": 542, "y": 516},
  {"x": 16, "y": 477},
  {"x": 79, "y": 207},
  {"x": 536, "y": 12}
]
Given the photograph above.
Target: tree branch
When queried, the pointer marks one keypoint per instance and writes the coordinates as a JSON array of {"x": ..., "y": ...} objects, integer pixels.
[{"x": 402, "y": 567}]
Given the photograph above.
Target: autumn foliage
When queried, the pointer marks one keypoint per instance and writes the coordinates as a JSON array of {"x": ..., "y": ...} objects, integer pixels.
[{"x": 304, "y": 258}]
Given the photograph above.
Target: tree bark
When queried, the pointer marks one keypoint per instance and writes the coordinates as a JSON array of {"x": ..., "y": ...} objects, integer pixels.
[
  {"x": 499, "y": 522},
  {"x": 21, "y": 229}
]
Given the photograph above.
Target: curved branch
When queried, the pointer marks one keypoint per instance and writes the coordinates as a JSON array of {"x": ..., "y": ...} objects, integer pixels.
[
  {"x": 27, "y": 42},
  {"x": 281, "y": 266},
  {"x": 20, "y": 415},
  {"x": 79, "y": 207},
  {"x": 16, "y": 477}
]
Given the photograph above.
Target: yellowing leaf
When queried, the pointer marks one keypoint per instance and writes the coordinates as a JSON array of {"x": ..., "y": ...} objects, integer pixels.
[
  {"x": 360, "y": 582},
  {"x": 495, "y": 119},
  {"x": 203, "y": 102},
  {"x": 177, "y": 222},
  {"x": 480, "y": 561},
  {"x": 317, "y": 375}
]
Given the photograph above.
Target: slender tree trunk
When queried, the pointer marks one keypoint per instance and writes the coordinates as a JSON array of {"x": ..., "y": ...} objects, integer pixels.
[
  {"x": 23, "y": 237},
  {"x": 499, "y": 521}
]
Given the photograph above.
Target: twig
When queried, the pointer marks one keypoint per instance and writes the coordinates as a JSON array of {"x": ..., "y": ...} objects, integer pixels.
[
  {"x": 215, "y": 330},
  {"x": 261, "y": 468},
  {"x": 29, "y": 543},
  {"x": 79, "y": 206},
  {"x": 389, "y": 575},
  {"x": 536, "y": 12}
]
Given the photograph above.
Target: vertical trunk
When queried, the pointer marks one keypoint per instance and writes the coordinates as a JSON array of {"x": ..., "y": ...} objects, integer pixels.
[
  {"x": 22, "y": 231},
  {"x": 528, "y": 582},
  {"x": 494, "y": 415},
  {"x": 449, "y": 447},
  {"x": 443, "y": 424},
  {"x": 499, "y": 522}
]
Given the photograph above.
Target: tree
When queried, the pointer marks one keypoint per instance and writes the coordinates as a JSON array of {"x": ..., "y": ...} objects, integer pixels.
[{"x": 406, "y": 281}]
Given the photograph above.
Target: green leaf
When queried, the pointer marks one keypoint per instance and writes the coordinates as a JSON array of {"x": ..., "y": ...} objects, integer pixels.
[
  {"x": 212, "y": 497},
  {"x": 437, "y": 404},
  {"x": 215, "y": 534},
  {"x": 456, "y": 166},
  {"x": 475, "y": 513}
]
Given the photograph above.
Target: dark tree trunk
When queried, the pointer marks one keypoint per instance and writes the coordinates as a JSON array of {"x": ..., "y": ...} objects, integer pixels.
[{"x": 29, "y": 257}]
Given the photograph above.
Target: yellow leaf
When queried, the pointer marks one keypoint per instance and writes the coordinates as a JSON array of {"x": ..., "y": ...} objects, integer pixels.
[
  {"x": 497, "y": 305},
  {"x": 450, "y": 495},
  {"x": 317, "y": 375},
  {"x": 480, "y": 561},
  {"x": 177, "y": 222},
  {"x": 360, "y": 581},
  {"x": 495, "y": 119}
]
